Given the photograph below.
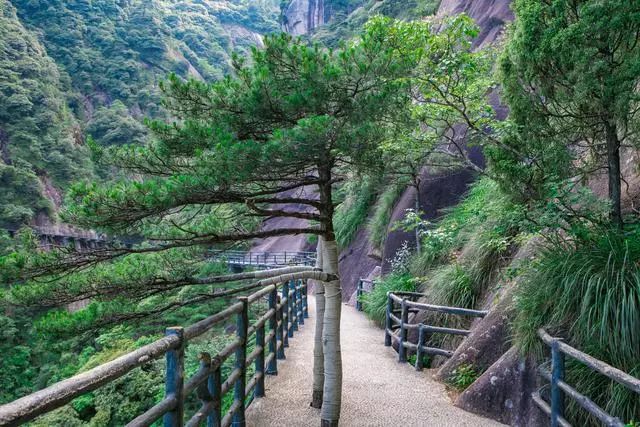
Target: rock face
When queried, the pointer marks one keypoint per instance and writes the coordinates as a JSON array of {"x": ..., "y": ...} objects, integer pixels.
[
  {"x": 490, "y": 15},
  {"x": 503, "y": 392},
  {"x": 303, "y": 16}
]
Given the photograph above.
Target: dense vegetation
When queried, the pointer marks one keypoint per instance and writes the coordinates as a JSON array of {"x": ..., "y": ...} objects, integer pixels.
[{"x": 343, "y": 120}]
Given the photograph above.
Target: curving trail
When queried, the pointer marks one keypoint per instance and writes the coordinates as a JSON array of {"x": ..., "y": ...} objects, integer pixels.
[{"x": 377, "y": 390}]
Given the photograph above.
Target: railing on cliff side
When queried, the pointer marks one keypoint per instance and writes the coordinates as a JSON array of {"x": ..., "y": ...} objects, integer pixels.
[
  {"x": 398, "y": 319},
  {"x": 559, "y": 389},
  {"x": 360, "y": 291},
  {"x": 263, "y": 259},
  {"x": 286, "y": 310}
]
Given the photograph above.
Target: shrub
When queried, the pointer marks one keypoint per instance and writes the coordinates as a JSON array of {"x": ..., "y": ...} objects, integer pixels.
[
  {"x": 375, "y": 302},
  {"x": 463, "y": 376}
]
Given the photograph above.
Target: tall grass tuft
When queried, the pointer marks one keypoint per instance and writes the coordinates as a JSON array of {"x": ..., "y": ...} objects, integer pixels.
[
  {"x": 590, "y": 291},
  {"x": 382, "y": 211},
  {"x": 375, "y": 302}
]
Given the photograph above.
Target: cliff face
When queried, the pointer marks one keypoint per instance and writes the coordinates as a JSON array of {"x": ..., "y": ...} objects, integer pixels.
[
  {"x": 490, "y": 15},
  {"x": 303, "y": 16}
]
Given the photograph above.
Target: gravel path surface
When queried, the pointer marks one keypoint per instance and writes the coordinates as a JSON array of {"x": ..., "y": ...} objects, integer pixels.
[{"x": 377, "y": 391}]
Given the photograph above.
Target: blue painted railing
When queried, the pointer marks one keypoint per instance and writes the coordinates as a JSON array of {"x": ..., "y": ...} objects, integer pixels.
[
  {"x": 287, "y": 308},
  {"x": 361, "y": 291},
  {"x": 397, "y": 318},
  {"x": 559, "y": 389},
  {"x": 263, "y": 259}
]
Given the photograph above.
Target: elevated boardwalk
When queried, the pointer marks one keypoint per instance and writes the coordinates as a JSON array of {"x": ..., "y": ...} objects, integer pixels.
[{"x": 377, "y": 390}]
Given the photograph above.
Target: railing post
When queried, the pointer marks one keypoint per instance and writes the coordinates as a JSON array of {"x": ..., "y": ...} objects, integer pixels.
[
  {"x": 557, "y": 374},
  {"x": 259, "y": 363},
  {"x": 358, "y": 296},
  {"x": 239, "y": 390},
  {"x": 421, "y": 339},
  {"x": 174, "y": 379},
  {"x": 300, "y": 310},
  {"x": 388, "y": 324},
  {"x": 215, "y": 386},
  {"x": 290, "y": 308},
  {"x": 286, "y": 309},
  {"x": 272, "y": 369},
  {"x": 402, "y": 350},
  {"x": 305, "y": 299}
]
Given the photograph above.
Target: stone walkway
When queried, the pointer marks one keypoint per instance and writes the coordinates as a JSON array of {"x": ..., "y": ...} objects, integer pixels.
[{"x": 377, "y": 390}]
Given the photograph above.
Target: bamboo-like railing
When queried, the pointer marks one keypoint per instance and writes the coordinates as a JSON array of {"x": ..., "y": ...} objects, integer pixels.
[
  {"x": 398, "y": 318},
  {"x": 559, "y": 389},
  {"x": 287, "y": 310}
]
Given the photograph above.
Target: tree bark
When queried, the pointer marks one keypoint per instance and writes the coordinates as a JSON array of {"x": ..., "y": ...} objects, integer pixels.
[
  {"x": 417, "y": 208},
  {"x": 318, "y": 354},
  {"x": 615, "y": 188},
  {"x": 332, "y": 394}
]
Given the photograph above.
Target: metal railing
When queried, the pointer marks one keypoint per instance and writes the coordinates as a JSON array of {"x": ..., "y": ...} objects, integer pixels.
[
  {"x": 264, "y": 259},
  {"x": 286, "y": 310},
  {"x": 559, "y": 389},
  {"x": 361, "y": 291},
  {"x": 398, "y": 318}
]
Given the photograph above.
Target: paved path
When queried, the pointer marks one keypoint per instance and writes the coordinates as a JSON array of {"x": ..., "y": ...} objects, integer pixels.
[{"x": 377, "y": 390}]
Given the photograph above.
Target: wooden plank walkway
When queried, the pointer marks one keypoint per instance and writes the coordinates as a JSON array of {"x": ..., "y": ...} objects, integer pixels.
[{"x": 377, "y": 390}]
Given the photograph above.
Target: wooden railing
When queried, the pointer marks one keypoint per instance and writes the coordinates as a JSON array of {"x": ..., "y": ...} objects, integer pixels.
[
  {"x": 286, "y": 310},
  {"x": 398, "y": 318},
  {"x": 361, "y": 291},
  {"x": 264, "y": 259},
  {"x": 559, "y": 389}
]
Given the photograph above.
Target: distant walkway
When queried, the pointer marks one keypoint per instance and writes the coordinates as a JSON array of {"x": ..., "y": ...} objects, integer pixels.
[{"x": 377, "y": 390}]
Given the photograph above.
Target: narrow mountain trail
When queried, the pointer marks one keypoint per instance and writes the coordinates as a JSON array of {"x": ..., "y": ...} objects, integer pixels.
[{"x": 377, "y": 390}]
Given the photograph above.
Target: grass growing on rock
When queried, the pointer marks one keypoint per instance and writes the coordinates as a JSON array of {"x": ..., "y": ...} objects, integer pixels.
[{"x": 588, "y": 291}]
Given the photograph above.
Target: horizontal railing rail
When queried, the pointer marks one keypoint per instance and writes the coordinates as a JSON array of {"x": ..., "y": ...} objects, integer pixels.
[
  {"x": 361, "y": 291},
  {"x": 263, "y": 259},
  {"x": 286, "y": 310},
  {"x": 559, "y": 389},
  {"x": 397, "y": 318}
]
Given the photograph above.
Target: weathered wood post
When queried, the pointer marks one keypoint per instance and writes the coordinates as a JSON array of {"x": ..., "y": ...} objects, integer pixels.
[
  {"x": 288, "y": 332},
  {"x": 174, "y": 379},
  {"x": 404, "y": 319},
  {"x": 215, "y": 388},
  {"x": 299, "y": 298},
  {"x": 272, "y": 369},
  {"x": 359, "y": 296},
  {"x": 557, "y": 374},
  {"x": 421, "y": 338},
  {"x": 239, "y": 389},
  {"x": 305, "y": 299},
  {"x": 282, "y": 337},
  {"x": 388, "y": 324},
  {"x": 259, "y": 363}
]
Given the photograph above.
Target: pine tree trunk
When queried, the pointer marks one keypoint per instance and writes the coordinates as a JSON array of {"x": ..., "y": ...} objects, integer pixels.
[
  {"x": 417, "y": 208},
  {"x": 318, "y": 354},
  {"x": 615, "y": 188},
  {"x": 332, "y": 394}
]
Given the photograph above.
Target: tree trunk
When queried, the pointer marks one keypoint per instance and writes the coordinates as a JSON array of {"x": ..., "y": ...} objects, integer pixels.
[
  {"x": 332, "y": 394},
  {"x": 615, "y": 188},
  {"x": 318, "y": 354},
  {"x": 417, "y": 209}
]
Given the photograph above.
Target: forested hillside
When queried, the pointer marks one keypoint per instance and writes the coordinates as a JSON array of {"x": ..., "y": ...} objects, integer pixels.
[{"x": 74, "y": 70}]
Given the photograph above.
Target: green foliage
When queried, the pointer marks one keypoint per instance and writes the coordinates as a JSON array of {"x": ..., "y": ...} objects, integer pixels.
[
  {"x": 38, "y": 147},
  {"x": 357, "y": 197},
  {"x": 375, "y": 302},
  {"x": 347, "y": 17},
  {"x": 486, "y": 217},
  {"x": 570, "y": 78},
  {"x": 588, "y": 291},
  {"x": 382, "y": 210},
  {"x": 462, "y": 377}
]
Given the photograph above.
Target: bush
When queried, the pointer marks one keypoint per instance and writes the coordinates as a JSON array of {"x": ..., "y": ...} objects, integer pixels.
[
  {"x": 588, "y": 291},
  {"x": 462, "y": 377},
  {"x": 375, "y": 302}
]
